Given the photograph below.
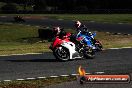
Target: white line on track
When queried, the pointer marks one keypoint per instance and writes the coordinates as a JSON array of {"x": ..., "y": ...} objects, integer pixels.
[
  {"x": 7, "y": 80},
  {"x": 44, "y": 77},
  {"x": 21, "y": 54},
  {"x": 30, "y": 78},
  {"x": 74, "y": 74},
  {"x": 107, "y": 32},
  {"x": 127, "y": 47},
  {"x": 114, "y": 48},
  {"x": 64, "y": 75},
  {"x": 88, "y": 73},
  {"x": 99, "y": 72},
  {"x": 20, "y": 79},
  {"x": 54, "y": 76},
  {"x": 41, "y": 77},
  {"x": 119, "y": 33}
]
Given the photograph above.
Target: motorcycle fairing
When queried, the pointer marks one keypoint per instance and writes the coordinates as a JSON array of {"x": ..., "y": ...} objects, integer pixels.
[{"x": 71, "y": 47}]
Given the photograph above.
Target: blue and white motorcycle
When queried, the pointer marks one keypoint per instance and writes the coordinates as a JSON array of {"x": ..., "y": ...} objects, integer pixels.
[
  {"x": 84, "y": 49},
  {"x": 89, "y": 40}
]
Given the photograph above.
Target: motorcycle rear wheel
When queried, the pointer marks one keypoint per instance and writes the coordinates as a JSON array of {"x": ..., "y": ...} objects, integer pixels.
[{"x": 89, "y": 53}]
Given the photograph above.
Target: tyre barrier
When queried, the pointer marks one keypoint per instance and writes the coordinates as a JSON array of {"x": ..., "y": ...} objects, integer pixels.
[{"x": 45, "y": 34}]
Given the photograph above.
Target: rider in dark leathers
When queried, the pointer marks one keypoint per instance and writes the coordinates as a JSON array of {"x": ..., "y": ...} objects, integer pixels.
[
  {"x": 83, "y": 29},
  {"x": 58, "y": 32}
]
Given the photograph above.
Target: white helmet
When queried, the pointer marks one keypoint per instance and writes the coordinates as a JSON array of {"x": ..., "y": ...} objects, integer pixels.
[
  {"x": 56, "y": 30},
  {"x": 77, "y": 24}
]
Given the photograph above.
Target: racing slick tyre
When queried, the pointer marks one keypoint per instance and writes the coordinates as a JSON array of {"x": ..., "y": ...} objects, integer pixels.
[
  {"x": 89, "y": 53},
  {"x": 61, "y": 54}
]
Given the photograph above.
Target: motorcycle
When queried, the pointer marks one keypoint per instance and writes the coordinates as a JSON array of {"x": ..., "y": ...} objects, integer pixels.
[
  {"x": 64, "y": 50},
  {"x": 89, "y": 40},
  {"x": 19, "y": 19},
  {"x": 84, "y": 49}
]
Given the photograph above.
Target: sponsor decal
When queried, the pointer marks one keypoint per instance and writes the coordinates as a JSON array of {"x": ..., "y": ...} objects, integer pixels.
[{"x": 101, "y": 78}]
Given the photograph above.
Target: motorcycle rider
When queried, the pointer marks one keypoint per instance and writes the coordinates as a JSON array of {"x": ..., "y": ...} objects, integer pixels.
[
  {"x": 57, "y": 31},
  {"x": 83, "y": 29},
  {"x": 80, "y": 27}
]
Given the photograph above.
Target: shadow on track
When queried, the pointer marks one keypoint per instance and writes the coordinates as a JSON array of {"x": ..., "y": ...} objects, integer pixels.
[
  {"x": 45, "y": 60},
  {"x": 34, "y": 60}
]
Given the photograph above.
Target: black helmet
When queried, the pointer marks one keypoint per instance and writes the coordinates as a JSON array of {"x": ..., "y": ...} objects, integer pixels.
[{"x": 84, "y": 29}]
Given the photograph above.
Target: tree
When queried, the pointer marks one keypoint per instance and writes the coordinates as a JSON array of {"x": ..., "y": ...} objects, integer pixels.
[
  {"x": 9, "y": 8},
  {"x": 39, "y": 6}
]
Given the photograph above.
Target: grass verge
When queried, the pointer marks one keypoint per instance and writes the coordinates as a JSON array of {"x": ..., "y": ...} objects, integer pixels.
[
  {"x": 111, "y": 18},
  {"x": 110, "y": 40},
  {"x": 39, "y": 83},
  {"x": 19, "y": 39},
  {"x": 16, "y": 39}
]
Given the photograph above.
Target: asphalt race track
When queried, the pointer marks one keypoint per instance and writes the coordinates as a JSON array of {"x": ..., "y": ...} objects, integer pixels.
[{"x": 23, "y": 66}]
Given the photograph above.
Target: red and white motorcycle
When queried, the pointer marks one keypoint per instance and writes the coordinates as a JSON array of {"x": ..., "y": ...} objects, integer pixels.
[{"x": 64, "y": 50}]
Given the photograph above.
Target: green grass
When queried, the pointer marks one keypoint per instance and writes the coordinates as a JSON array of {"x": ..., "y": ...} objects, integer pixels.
[
  {"x": 15, "y": 39},
  {"x": 39, "y": 83},
  {"x": 9, "y": 33},
  {"x": 20, "y": 48},
  {"x": 114, "y": 41},
  {"x": 19, "y": 7},
  {"x": 111, "y": 18},
  {"x": 19, "y": 39}
]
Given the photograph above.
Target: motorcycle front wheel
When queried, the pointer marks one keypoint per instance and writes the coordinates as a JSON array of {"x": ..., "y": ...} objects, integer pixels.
[{"x": 61, "y": 54}]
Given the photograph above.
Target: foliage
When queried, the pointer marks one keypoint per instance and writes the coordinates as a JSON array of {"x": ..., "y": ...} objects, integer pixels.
[
  {"x": 40, "y": 6},
  {"x": 77, "y": 6},
  {"x": 9, "y": 8}
]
